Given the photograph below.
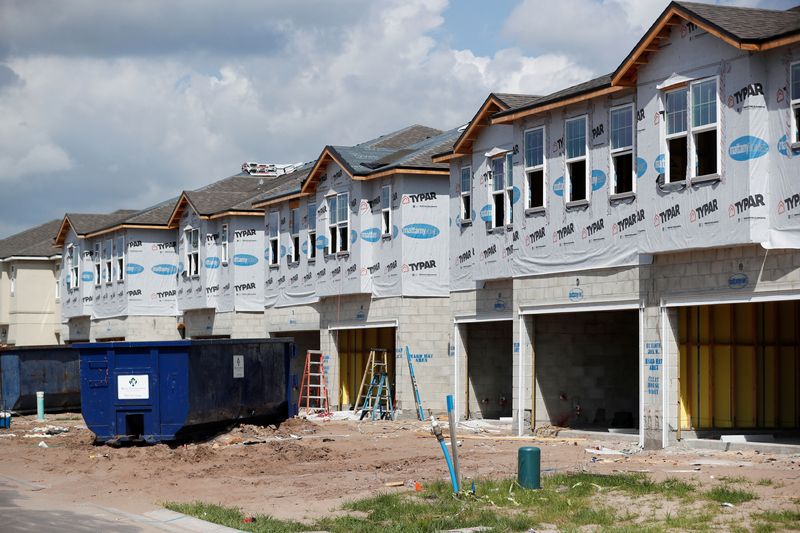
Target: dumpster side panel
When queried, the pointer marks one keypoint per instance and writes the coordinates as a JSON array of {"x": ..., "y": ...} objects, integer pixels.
[
  {"x": 97, "y": 408},
  {"x": 231, "y": 380},
  {"x": 54, "y": 370}
]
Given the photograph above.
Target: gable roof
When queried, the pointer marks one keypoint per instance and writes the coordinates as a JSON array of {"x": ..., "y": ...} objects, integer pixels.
[
  {"x": 32, "y": 242},
  {"x": 588, "y": 89},
  {"x": 85, "y": 223},
  {"x": 494, "y": 103},
  {"x": 228, "y": 196},
  {"x": 742, "y": 27},
  {"x": 373, "y": 159},
  {"x": 289, "y": 186}
]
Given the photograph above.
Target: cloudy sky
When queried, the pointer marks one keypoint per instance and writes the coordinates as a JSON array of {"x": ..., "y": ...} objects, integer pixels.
[{"x": 105, "y": 105}]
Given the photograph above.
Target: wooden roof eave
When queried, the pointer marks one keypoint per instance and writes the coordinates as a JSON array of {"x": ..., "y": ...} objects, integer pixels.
[
  {"x": 400, "y": 170},
  {"x": 481, "y": 119},
  {"x": 505, "y": 119},
  {"x": 61, "y": 236},
  {"x": 265, "y": 204},
  {"x": 177, "y": 211},
  {"x": 668, "y": 19},
  {"x": 119, "y": 227},
  {"x": 309, "y": 184}
]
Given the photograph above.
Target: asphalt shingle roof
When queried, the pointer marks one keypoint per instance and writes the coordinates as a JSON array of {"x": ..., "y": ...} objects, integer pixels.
[
  {"x": 515, "y": 101},
  {"x": 84, "y": 223},
  {"x": 33, "y": 242},
  {"x": 747, "y": 24},
  {"x": 563, "y": 94},
  {"x": 402, "y": 137},
  {"x": 280, "y": 186}
]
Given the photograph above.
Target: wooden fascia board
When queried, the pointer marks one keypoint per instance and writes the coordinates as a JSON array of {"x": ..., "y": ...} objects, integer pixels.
[
  {"x": 781, "y": 41},
  {"x": 61, "y": 236},
  {"x": 505, "y": 119},
  {"x": 267, "y": 203},
  {"x": 391, "y": 172},
  {"x": 326, "y": 157},
  {"x": 666, "y": 20},
  {"x": 236, "y": 213},
  {"x": 478, "y": 121},
  {"x": 178, "y": 209},
  {"x": 124, "y": 227},
  {"x": 445, "y": 158}
]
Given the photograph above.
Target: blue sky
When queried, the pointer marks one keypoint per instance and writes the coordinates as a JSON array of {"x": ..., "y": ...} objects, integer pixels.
[{"x": 125, "y": 104}]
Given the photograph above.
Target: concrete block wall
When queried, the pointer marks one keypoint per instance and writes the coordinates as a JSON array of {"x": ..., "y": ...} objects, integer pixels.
[
  {"x": 423, "y": 325},
  {"x": 562, "y": 292},
  {"x": 493, "y": 300},
  {"x": 76, "y": 329},
  {"x": 136, "y": 328},
  {"x": 295, "y": 318},
  {"x": 587, "y": 368},
  {"x": 248, "y": 325},
  {"x": 490, "y": 371},
  {"x": 235, "y": 324}
]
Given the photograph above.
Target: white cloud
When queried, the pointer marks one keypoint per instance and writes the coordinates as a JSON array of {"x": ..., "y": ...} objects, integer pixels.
[
  {"x": 91, "y": 130},
  {"x": 594, "y": 33}
]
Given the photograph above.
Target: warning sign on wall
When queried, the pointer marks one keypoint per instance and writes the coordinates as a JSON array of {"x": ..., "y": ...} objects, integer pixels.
[
  {"x": 133, "y": 387},
  {"x": 238, "y": 366}
]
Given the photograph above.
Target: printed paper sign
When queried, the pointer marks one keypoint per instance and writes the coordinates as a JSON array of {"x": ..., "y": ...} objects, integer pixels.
[
  {"x": 136, "y": 387},
  {"x": 238, "y": 366}
]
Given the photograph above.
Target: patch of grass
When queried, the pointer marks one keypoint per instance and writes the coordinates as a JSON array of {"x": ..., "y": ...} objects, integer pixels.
[
  {"x": 689, "y": 521},
  {"x": 764, "y": 482},
  {"x": 233, "y": 517},
  {"x": 727, "y": 494},
  {"x": 787, "y": 519},
  {"x": 734, "y": 479},
  {"x": 568, "y": 502}
]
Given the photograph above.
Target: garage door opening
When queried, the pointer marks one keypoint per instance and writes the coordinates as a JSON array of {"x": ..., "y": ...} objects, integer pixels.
[
  {"x": 303, "y": 341},
  {"x": 739, "y": 367},
  {"x": 586, "y": 370},
  {"x": 354, "y": 346},
  {"x": 490, "y": 369}
]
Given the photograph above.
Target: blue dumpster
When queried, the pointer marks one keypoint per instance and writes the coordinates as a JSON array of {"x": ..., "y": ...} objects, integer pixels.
[
  {"x": 52, "y": 369},
  {"x": 162, "y": 391}
]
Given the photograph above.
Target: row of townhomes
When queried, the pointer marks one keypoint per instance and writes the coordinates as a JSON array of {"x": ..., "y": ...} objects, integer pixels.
[
  {"x": 29, "y": 288},
  {"x": 619, "y": 254}
]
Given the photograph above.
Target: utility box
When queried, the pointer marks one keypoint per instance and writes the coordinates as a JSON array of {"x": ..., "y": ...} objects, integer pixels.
[
  {"x": 162, "y": 391},
  {"x": 51, "y": 369}
]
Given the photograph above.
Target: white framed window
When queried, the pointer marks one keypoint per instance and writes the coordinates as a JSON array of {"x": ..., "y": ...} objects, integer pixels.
[
  {"x": 466, "y": 194},
  {"x": 386, "y": 210},
  {"x": 119, "y": 255},
  {"x": 294, "y": 221},
  {"x": 502, "y": 190},
  {"x": 676, "y": 111},
  {"x": 338, "y": 223},
  {"x": 108, "y": 261},
  {"x": 705, "y": 135},
  {"x": 692, "y": 131},
  {"x": 73, "y": 262},
  {"x": 794, "y": 96},
  {"x": 577, "y": 178},
  {"x": 621, "y": 148},
  {"x": 98, "y": 268},
  {"x": 536, "y": 191},
  {"x": 224, "y": 238},
  {"x": 312, "y": 231},
  {"x": 58, "y": 282},
  {"x": 192, "y": 239},
  {"x": 13, "y": 280},
  {"x": 274, "y": 237}
]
